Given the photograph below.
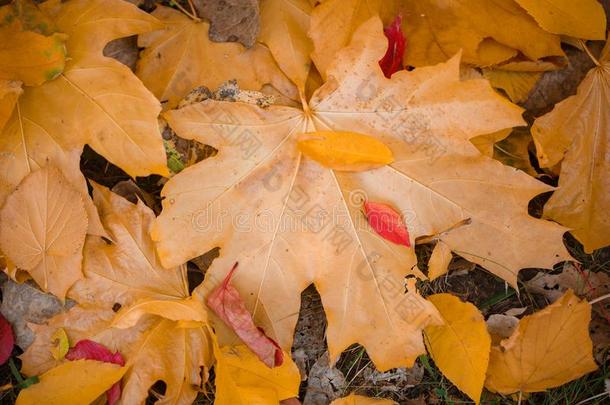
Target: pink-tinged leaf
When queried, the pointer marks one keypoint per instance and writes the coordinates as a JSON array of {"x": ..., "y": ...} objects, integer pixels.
[
  {"x": 90, "y": 350},
  {"x": 392, "y": 60},
  {"x": 7, "y": 340},
  {"x": 387, "y": 223},
  {"x": 226, "y": 302}
]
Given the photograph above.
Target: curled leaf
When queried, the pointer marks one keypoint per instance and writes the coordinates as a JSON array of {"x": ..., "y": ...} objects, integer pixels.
[
  {"x": 7, "y": 340},
  {"x": 343, "y": 150},
  {"x": 226, "y": 302},
  {"x": 392, "y": 60},
  {"x": 62, "y": 344},
  {"x": 387, "y": 223}
]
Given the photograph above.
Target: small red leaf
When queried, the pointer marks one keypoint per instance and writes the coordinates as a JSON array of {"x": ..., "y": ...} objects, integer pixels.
[
  {"x": 90, "y": 350},
  {"x": 387, "y": 223},
  {"x": 392, "y": 60},
  {"x": 226, "y": 302},
  {"x": 7, "y": 340}
]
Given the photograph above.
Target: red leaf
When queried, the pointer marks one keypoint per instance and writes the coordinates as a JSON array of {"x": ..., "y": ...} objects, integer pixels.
[
  {"x": 90, "y": 350},
  {"x": 7, "y": 340},
  {"x": 387, "y": 223},
  {"x": 392, "y": 60},
  {"x": 226, "y": 302}
]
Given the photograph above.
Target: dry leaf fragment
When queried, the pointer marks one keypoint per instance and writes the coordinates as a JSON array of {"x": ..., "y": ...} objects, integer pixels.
[
  {"x": 516, "y": 85},
  {"x": 354, "y": 399},
  {"x": 242, "y": 379},
  {"x": 42, "y": 230},
  {"x": 62, "y": 344},
  {"x": 179, "y": 58},
  {"x": 190, "y": 310},
  {"x": 438, "y": 264},
  {"x": 460, "y": 347},
  {"x": 501, "y": 327},
  {"x": 387, "y": 222},
  {"x": 264, "y": 203},
  {"x": 226, "y": 302},
  {"x": 577, "y": 131},
  {"x": 392, "y": 60},
  {"x": 87, "y": 380},
  {"x": 232, "y": 20},
  {"x": 284, "y": 25},
  {"x": 342, "y": 150},
  {"x": 10, "y": 90},
  {"x": 548, "y": 349},
  {"x": 582, "y": 19}
]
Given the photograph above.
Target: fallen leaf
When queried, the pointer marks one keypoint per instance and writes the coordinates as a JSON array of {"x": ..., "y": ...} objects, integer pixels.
[
  {"x": 10, "y": 90},
  {"x": 121, "y": 275},
  {"x": 478, "y": 29},
  {"x": 90, "y": 350},
  {"x": 334, "y": 21},
  {"x": 584, "y": 19},
  {"x": 516, "y": 85},
  {"x": 584, "y": 283},
  {"x": 438, "y": 265},
  {"x": 348, "y": 151},
  {"x": 387, "y": 222},
  {"x": 392, "y": 60},
  {"x": 324, "y": 382},
  {"x": 96, "y": 100},
  {"x": 42, "y": 230},
  {"x": 87, "y": 380},
  {"x": 62, "y": 344},
  {"x": 460, "y": 347},
  {"x": 226, "y": 302},
  {"x": 514, "y": 151},
  {"x": 354, "y": 399},
  {"x": 284, "y": 25},
  {"x": 7, "y": 340},
  {"x": 277, "y": 204},
  {"x": 548, "y": 349},
  {"x": 577, "y": 131},
  {"x": 189, "y": 309},
  {"x": 242, "y": 379},
  {"x": 232, "y": 20},
  {"x": 180, "y": 58}
]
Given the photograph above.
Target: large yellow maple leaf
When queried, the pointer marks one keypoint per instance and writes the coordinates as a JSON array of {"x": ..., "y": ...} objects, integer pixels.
[
  {"x": 153, "y": 301},
  {"x": 95, "y": 100},
  {"x": 578, "y": 131},
  {"x": 267, "y": 206}
]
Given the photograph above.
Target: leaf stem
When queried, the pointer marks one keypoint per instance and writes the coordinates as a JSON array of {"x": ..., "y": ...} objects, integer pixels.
[
  {"x": 192, "y": 7},
  {"x": 598, "y": 299},
  {"x": 586, "y": 49},
  {"x": 191, "y": 16}
]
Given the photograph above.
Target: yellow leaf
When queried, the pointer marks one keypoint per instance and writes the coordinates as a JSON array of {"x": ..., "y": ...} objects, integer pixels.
[
  {"x": 242, "y": 379},
  {"x": 284, "y": 25},
  {"x": 30, "y": 57},
  {"x": 438, "y": 264},
  {"x": 517, "y": 85},
  {"x": 460, "y": 347},
  {"x": 96, "y": 100},
  {"x": 581, "y": 19},
  {"x": 62, "y": 344},
  {"x": 432, "y": 39},
  {"x": 548, "y": 349},
  {"x": 514, "y": 151},
  {"x": 10, "y": 91},
  {"x": 348, "y": 151},
  {"x": 42, "y": 230},
  {"x": 577, "y": 130},
  {"x": 181, "y": 57},
  {"x": 265, "y": 203},
  {"x": 72, "y": 383},
  {"x": 354, "y": 399},
  {"x": 334, "y": 21},
  {"x": 189, "y": 310},
  {"x": 485, "y": 143}
]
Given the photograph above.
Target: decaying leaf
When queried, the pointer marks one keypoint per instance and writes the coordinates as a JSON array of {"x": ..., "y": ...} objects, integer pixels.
[
  {"x": 232, "y": 20},
  {"x": 460, "y": 347},
  {"x": 180, "y": 58},
  {"x": 354, "y": 399},
  {"x": 548, "y": 349},
  {"x": 284, "y": 25},
  {"x": 577, "y": 131},
  {"x": 123, "y": 275},
  {"x": 42, "y": 230},
  {"x": 87, "y": 380},
  {"x": 242, "y": 379},
  {"x": 288, "y": 204},
  {"x": 501, "y": 326},
  {"x": 228, "y": 305},
  {"x": 583, "y": 19}
]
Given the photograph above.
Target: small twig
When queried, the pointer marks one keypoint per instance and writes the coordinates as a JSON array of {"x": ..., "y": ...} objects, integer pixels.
[
  {"x": 520, "y": 397},
  {"x": 192, "y": 7},
  {"x": 598, "y": 299},
  {"x": 584, "y": 401},
  {"x": 586, "y": 49},
  {"x": 191, "y": 16}
]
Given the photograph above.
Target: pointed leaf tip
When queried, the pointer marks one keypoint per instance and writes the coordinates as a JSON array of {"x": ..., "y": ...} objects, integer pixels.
[{"x": 387, "y": 223}]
